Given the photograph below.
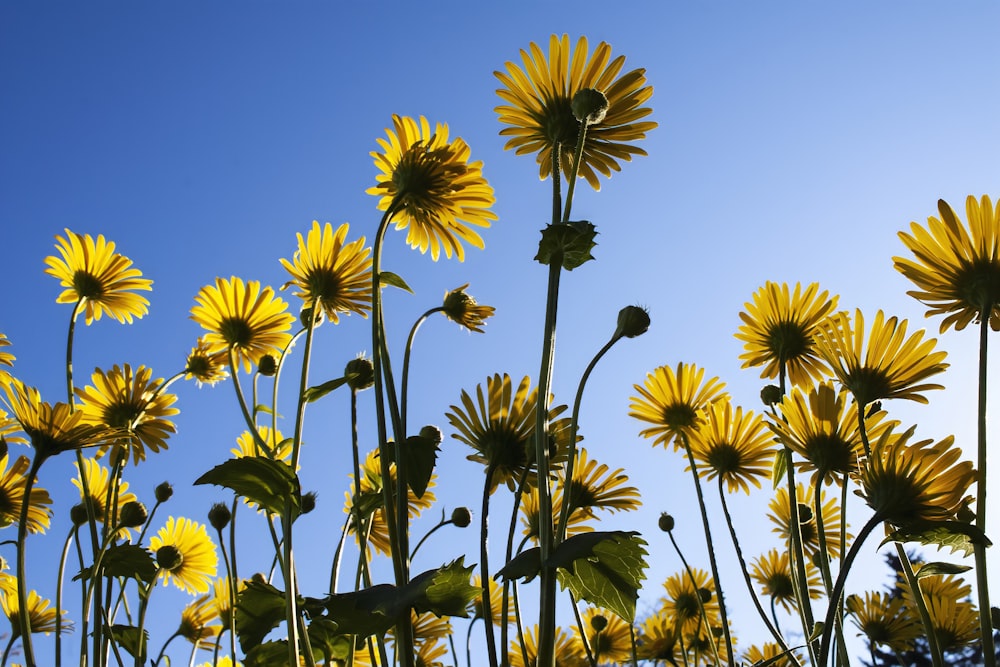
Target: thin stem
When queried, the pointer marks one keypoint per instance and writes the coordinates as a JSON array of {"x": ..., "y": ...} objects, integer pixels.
[
  {"x": 484, "y": 569},
  {"x": 918, "y": 598},
  {"x": 701, "y": 604},
  {"x": 982, "y": 583},
  {"x": 23, "y": 617},
  {"x": 59, "y": 592},
  {"x": 440, "y": 524},
  {"x": 406, "y": 363},
  {"x": 251, "y": 422},
  {"x": 591, "y": 658},
  {"x": 505, "y": 598},
  {"x": 824, "y": 560}
]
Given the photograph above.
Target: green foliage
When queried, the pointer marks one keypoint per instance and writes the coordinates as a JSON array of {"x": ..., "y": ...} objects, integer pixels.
[
  {"x": 419, "y": 458},
  {"x": 319, "y": 391},
  {"x": 125, "y": 561},
  {"x": 260, "y": 607},
  {"x": 957, "y": 535},
  {"x": 271, "y": 484},
  {"x": 390, "y": 279},
  {"x": 605, "y": 569},
  {"x": 131, "y": 639},
  {"x": 568, "y": 243}
]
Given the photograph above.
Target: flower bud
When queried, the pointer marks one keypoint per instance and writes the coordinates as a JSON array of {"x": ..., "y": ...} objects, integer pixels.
[
  {"x": 133, "y": 514},
  {"x": 589, "y": 106},
  {"x": 598, "y": 622},
  {"x": 431, "y": 433},
  {"x": 267, "y": 366},
  {"x": 163, "y": 492},
  {"x": 219, "y": 516},
  {"x": 805, "y": 513},
  {"x": 360, "y": 373},
  {"x": 78, "y": 514},
  {"x": 666, "y": 522},
  {"x": 770, "y": 395},
  {"x": 705, "y": 595},
  {"x": 310, "y": 316},
  {"x": 169, "y": 557},
  {"x": 308, "y": 502},
  {"x": 632, "y": 321},
  {"x": 461, "y": 517}
]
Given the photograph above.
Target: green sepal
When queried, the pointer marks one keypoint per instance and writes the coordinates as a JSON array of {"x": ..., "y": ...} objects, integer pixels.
[
  {"x": 269, "y": 483},
  {"x": 125, "y": 561},
  {"x": 604, "y": 568},
  {"x": 568, "y": 243},
  {"x": 130, "y": 638},
  {"x": 956, "y": 535},
  {"x": 934, "y": 569},
  {"x": 419, "y": 458},
  {"x": 390, "y": 279},
  {"x": 319, "y": 391}
]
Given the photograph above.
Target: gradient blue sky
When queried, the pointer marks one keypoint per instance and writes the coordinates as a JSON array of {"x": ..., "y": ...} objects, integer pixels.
[{"x": 795, "y": 140}]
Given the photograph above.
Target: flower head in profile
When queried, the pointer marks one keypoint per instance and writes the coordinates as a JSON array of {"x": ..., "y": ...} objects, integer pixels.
[
  {"x": 955, "y": 267},
  {"x": 884, "y": 620},
  {"x": 100, "y": 489},
  {"x": 6, "y": 359},
  {"x": 734, "y": 446},
  {"x": 41, "y": 617},
  {"x": 204, "y": 366},
  {"x": 673, "y": 401},
  {"x": 52, "y": 429},
  {"x": 538, "y": 107},
  {"x": 773, "y": 573},
  {"x": 608, "y": 636},
  {"x": 331, "y": 274},
  {"x": 12, "y": 481},
  {"x": 185, "y": 555},
  {"x": 596, "y": 487},
  {"x": 97, "y": 277},
  {"x": 568, "y": 650},
  {"x": 196, "y": 622},
  {"x": 687, "y": 595},
  {"x": 781, "y": 512},
  {"x": 242, "y": 318},
  {"x": 462, "y": 308},
  {"x": 891, "y": 365},
  {"x": 437, "y": 195},
  {"x": 221, "y": 600},
  {"x": 779, "y": 331},
  {"x": 133, "y": 409}
]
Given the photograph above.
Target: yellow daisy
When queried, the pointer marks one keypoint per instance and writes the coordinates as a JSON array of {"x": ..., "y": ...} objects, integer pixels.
[
  {"x": 768, "y": 653},
  {"x": 681, "y": 601},
  {"x": 42, "y": 618},
  {"x": 499, "y": 425},
  {"x": 781, "y": 510},
  {"x": 773, "y": 572},
  {"x": 196, "y": 622},
  {"x": 607, "y": 635},
  {"x": 12, "y": 496},
  {"x": 185, "y": 555},
  {"x": 657, "y": 639},
  {"x": 538, "y": 97},
  {"x": 331, "y": 274},
  {"x": 205, "y": 366},
  {"x": 98, "y": 277},
  {"x": 220, "y": 598},
  {"x": 884, "y": 620},
  {"x": 889, "y": 366},
  {"x": 734, "y": 446},
  {"x": 6, "y": 359},
  {"x": 496, "y": 602},
  {"x": 567, "y": 650},
  {"x": 243, "y": 318},
  {"x": 133, "y": 409},
  {"x": 97, "y": 477},
  {"x": 531, "y": 513},
  {"x": 246, "y": 444},
  {"x": 596, "y": 486},
  {"x": 674, "y": 401},
  {"x": 956, "y": 268},
  {"x": 779, "y": 331},
  {"x": 51, "y": 428},
  {"x": 439, "y": 194},
  {"x": 461, "y": 308}
]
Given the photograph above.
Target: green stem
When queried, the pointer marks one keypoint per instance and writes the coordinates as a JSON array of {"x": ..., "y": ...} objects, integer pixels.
[
  {"x": 824, "y": 565},
  {"x": 918, "y": 598},
  {"x": 406, "y": 363},
  {"x": 505, "y": 597},
  {"x": 591, "y": 658},
  {"x": 250, "y": 421},
  {"x": 701, "y": 605},
  {"x": 982, "y": 583},
  {"x": 23, "y": 617},
  {"x": 59, "y": 592},
  {"x": 484, "y": 569}
]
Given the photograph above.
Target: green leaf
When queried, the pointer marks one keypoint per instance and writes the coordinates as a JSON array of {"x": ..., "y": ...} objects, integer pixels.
[
  {"x": 817, "y": 631},
  {"x": 933, "y": 569},
  {"x": 956, "y": 535},
  {"x": 269, "y": 483},
  {"x": 319, "y": 391},
  {"x": 124, "y": 560},
  {"x": 419, "y": 457},
  {"x": 603, "y": 568},
  {"x": 445, "y": 591},
  {"x": 129, "y": 638},
  {"x": 265, "y": 409},
  {"x": 526, "y": 565},
  {"x": 390, "y": 279},
  {"x": 269, "y": 654},
  {"x": 326, "y": 638},
  {"x": 779, "y": 468},
  {"x": 568, "y": 243},
  {"x": 260, "y": 607},
  {"x": 364, "y": 612}
]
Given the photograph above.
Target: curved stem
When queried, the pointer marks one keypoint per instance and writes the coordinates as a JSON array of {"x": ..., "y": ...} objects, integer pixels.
[
  {"x": 982, "y": 583},
  {"x": 701, "y": 604},
  {"x": 6, "y": 650},
  {"x": 406, "y": 364},
  {"x": 247, "y": 416},
  {"x": 918, "y": 598},
  {"x": 23, "y": 617},
  {"x": 59, "y": 592},
  {"x": 440, "y": 524},
  {"x": 484, "y": 569}
]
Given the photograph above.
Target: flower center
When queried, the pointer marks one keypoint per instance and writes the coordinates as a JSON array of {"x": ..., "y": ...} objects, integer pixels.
[
  {"x": 725, "y": 459},
  {"x": 830, "y": 453},
  {"x": 558, "y": 122},
  {"x": 324, "y": 285},
  {"x": 87, "y": 285},
  {"x": 978, "y": 284},
  {"x": 169, "y": 557},
  {"x": 868, "y": 384},
  {"x": 679, "y": 416},
  {"x": 122, "y": 415},
  {"x": 779, "y": 585},
  {"x": 788, "y": 340},
  {"x": 236, "y": 331}
]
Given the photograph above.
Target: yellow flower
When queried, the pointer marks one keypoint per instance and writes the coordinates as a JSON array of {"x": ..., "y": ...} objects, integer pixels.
[
  {"x": 781, "y": 510},
  {"x": 779, "y": 331},
  {"x": 98, "y": 277},
  {"x": 768, "y": 653},
  {"x": 954, "y": 618},
  {"x": 133, "y": 409},
  {"x": 957, "y": 268},
  {"x": 51, "y": 428},
  {"x": 247, "y": 445},
  {"x": 884, "y": 620},
  {"x": 773, "y": 571},
  {"x": 220, "y": 598},
  {"x": 608, "y": 636},
  {"x": 196, "y": 619},
  {"x": 185, "y": 555},
  {"x": 243, "y": 318},
  {"x": 331, "y": 274},
  {"x": 567, "y": 650},
  {"x": 499, "y": 424},
  {"x": 496, "y": 602},
  {"x": 657, "y": 640},
  {"x": 674, "y": 402},
  {"x": 97, "y": 477},
  {"x": 907, "y": 483},
  {"x": 538, "y": 99},
  {"x": 205, "y": 366},
  {"x": 462, "y": 309},
  {"x": 6, "y": 359},
  {"x": 531, "y": 513},
  {"x": 734, "y": 446},
  {"x": 595, "y": 486},
  {"x": 681, "y": 602},
  {"x": 890, "y": 366},
  {"x": 12, "y": 497},
  {"x": 41, "y": 617},
  {"x": 439, "y": 194}
]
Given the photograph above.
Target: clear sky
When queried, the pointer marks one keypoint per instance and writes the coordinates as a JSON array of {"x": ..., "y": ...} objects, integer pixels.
[{"x": 795, "y": 140}]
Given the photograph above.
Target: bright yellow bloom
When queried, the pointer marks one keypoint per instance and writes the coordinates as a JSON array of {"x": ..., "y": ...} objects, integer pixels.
[
  {"x": 462, "y": 309},
  {"x": 331, "y": 274},
  {"x": 956, "y": 268},
  {"x": 683, "y": 595},
  {"x": 954, "y": 618},
  {"x": 98, "y": 277},
  {"x": 657, "y": 639},
  {"x": 674, "y": 402},
  {"x": 97, "y": 477},
  {"x": 595, "y": 486},
  {"x": 131, "y": 406},
  {"x": 781, "y": 510},
  {"x": 767, "y": 653},
  {"x": 185, "y": 555},
  {"x": 52, "y": 429},
  {"x": 612, "y": 643},
  {"x": 734, "y": 446},
  {"x": 196, "y": 622},
  {"x": 437, "y": 195},
  {"x": 884, "y": 620},
  {"x": 773, "y": 571},
  {"x": 243, "y": 318},
  {"x": 531, "y": 513},
  {"x": 890, "y": 366},
  {"x": 205, "y": 366},
  {"x": 538, "y": 97},
  {"x": 41, "y": 617},
  {"x": 12, "y": 497},
  {"x": 567, "y": 650},
  {"x": 6, "y": 359},
  {"x": 220, "y": 598},
  {"x": 779, "y": 331}
]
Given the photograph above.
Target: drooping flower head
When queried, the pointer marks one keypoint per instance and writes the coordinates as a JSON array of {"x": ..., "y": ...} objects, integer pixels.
[
  {"x": 884, "y": 620},
  {"x": 41, "y": 617},
  {"x": 538, "y": 107},
  {"x": 130, "y": 405},
  {"x": 196, "y": 622},
  {"x": 52, "y": 429},
  {"x": 955, "y": 267},
  {"x": 102, "y": 279},
  {"x": 12, "y": 496},
  {"x": 440, "y": 195},
  {"x": 462, "y": 308},
  {"x": 779, "y": 331},
  {"x": 243, "y": 318},
  {"x": 331, "y": 274},
  {"x": 205, "y": 366},
  {"x": 185, "y": 555},
  {"x": 734, "y": 446},
  {"x": 891, "y": 365},
  {"x": 673, "y": 401}
]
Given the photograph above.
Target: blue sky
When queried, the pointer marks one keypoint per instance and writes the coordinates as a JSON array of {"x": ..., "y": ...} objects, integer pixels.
[{"x": 794, "y": 141}]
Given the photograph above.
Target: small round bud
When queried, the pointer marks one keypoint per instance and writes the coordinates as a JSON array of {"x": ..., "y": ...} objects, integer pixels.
[
  {"x": 308, "y": 502},
  {"x": 163, "y": 492},
  {"x": 258, "y": 578},
  {"x": 632, "y": 321},
  {"x": 432, "y": 433},
  {"x": 360, "y": 373},
  {"x": 267, "y": 366},
  {"x": 133, "y": 514},
  {"x": 169, "y": 557},
  {"x": 598, "y": 622},
  {"x": 461, "y": 517},
  {"x": 770, "y": 394},
  {"x": 589, "y": 106},
  {"x": 805, "y": 513},
  {"x": 666, "y": 522},
  {"x": 310, "y": 316},
  {"x": 78, "y": 514},
  {"x": 705, "y": 595},
  {"x": 456, "y": 303},
  {"x": 219, "y": 516}
]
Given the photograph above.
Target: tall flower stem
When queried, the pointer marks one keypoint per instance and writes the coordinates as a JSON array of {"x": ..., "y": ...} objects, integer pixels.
[
  {"x": 406, "y": 363},
  {"x": 701, "y": 604},
  {"x": 484, "y": 569},
  {"x": 59, "y": 592},
  {"x": 982, "y": 583},
  {"x": 824, "y": 566},
  {"x": 937, "y": 659},
  {"x": 23, "y": 617}
]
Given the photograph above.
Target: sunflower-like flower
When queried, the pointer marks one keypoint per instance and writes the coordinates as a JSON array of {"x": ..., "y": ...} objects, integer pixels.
[
  {"x": 781, "y": 511},
  {"x": 890, "y": 366},
  {"x": 97, "y": 477},
  {"x": 596, "y": 486},
  {"x": 607, "y": 635},
  {"x": 221, "y": 600},
  {"x": 773, "y": 571},
  {"x": 779, "y": 331},
  {"x": 98, "y": 277},
  {"x": 50, "y": 428},
  {"x": 956, "y": 268},
  {"x": 12, "y": 496},
  {"x": 370, "y": 500},
  {"x": 954, "y": 618},
  {"x": 41, "y": 617},
  {"x": 331, "y": 274},
  {"x": 538, "y": 107},
  {"x": 196, "y": 622},
  {"x": 204, "y": 366},
  {"x": 185, "y": 555},
  {"x": 568, "y": 650},
  {"x": 770, "y": 654},
  {"x": 6, "y": 359},
  {"x": 819, "y": 427},
  {"x": 531, "y": 513},
  {"x": 132, "y": 407},
  {"x": 884, "y": 619},
  {"x": 439, "y": 194},
  {"x": 657, "y": 639},
  {"x": 462, "y": 308},
  {"x": 734, "y": 446},
  {"x": 673, "y": 401},
  {"x": 499, "y": 424},
  {"x": 908, "y": 483},
  {"x": 243, "y": 318},
  {"x": 682, "y": 600}
]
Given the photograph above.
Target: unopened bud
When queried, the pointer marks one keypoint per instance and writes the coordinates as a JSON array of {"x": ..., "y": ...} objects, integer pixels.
[
  {"x": 461, "y": 517},
  {"x": 163, "y": 492},
  {"x": 589, "y": 106},
  {"x": 770, "y": 395},
  {"x": 360, "y": 373},
  {"x": 598, "y": 622},
  {"x": 78, "y": 514},
  {"x": 219, "y": 516},
  {"x": 267, "y": 366},
  {"x": 705, "y": 595},
  {"x": 133, "y": 514},
  {"x": 666, "y": 522},
  {"x": 431, "y": 433},
  {"x": 632, "y": 321},
  {"x": 308, "y": 502}
]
